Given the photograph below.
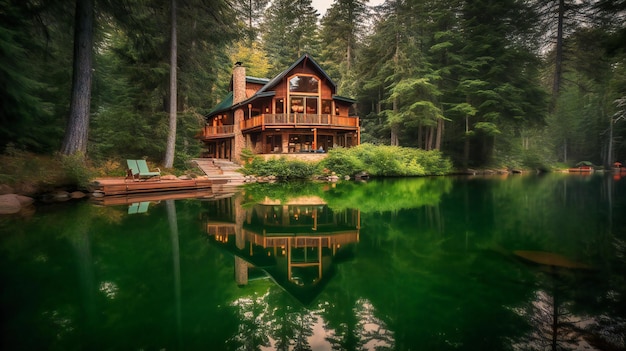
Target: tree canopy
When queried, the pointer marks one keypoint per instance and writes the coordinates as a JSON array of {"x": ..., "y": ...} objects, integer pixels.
[{"x": 489, "y": 83}]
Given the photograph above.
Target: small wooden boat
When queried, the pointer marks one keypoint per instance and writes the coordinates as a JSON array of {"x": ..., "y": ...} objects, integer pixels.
[{"x": 581, "y": 169}]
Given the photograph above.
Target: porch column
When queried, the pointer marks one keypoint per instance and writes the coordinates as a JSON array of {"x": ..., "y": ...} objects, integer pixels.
[{"x": 285, "y": 142}]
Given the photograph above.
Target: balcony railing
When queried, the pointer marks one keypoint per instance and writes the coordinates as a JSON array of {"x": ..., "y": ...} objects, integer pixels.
[
  {"x": 299, "y": 119},
  {"x": 287, "y": 120},
  {"x": 217, "y": 131}
]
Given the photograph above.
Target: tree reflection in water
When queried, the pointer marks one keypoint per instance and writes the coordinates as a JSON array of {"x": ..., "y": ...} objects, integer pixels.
[{"x": 556, "y": 325}]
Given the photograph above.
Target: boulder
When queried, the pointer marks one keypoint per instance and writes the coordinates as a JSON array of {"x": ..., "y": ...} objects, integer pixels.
[
  {"x": 60, "y": 195},
  {"x": 9, "y": 204},
  {"x": 25, "y": 200},
  {"x": 77, "y": 195},
  {"x": 168, "y": 177}
]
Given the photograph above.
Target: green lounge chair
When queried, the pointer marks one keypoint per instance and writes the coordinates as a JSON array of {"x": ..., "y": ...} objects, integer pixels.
[
  {"x": 138, "y": 207},
  {"x": 133, "y": 170},
  {"x": 144, "y": 171}
]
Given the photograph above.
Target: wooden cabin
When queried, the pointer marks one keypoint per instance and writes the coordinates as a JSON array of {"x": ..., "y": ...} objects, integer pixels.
[{"x": 296, "y": 112}]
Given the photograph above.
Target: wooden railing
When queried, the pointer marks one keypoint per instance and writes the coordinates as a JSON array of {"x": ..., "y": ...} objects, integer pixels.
[
  {"x": 300, "y": 119},
  {"x": 282, "y": 119},
  {"x": 217, "y": 131}
]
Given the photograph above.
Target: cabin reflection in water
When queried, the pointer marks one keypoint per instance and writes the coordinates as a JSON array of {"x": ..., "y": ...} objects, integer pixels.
[{"x": 296, "y": 242}]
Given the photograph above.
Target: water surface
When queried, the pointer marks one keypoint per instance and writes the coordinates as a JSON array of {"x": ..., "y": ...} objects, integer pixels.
[{"x": 495, "y": 263}]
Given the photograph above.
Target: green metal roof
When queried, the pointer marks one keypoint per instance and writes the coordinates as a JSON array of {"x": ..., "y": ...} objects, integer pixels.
[
  {"x": 344, "y": 99},
  {"x": 226, "y": 103}
]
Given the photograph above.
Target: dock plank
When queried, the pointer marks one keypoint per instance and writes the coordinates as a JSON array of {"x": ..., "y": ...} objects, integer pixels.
[{"x": 121, "y": 186}]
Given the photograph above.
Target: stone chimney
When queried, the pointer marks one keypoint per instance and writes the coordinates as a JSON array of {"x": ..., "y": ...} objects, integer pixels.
[
  {"x": 239, "y": 95},
  {"x": 239, "y": 83}
]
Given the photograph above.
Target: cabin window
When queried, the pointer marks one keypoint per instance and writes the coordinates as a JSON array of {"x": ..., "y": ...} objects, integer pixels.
[
  {"x": 303, "y": 84},
  {"x": 297, "y": 105},
  {"x": 311, "y": 105},
  {"x": 273, "y": 143},
  {"x": 280, "y": 106},
  {"x": 304, "y": 104},
  {"x": 327, "y": 106}
]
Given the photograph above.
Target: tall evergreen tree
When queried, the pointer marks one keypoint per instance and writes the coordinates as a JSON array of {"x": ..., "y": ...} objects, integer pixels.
[
  {"x": 289, "y": 31},
  {"x": 251, "y": 13},
  {"x": 340, "y": 33},
  {"x": 557, "y": 20},
  {"x": 499, "y": 69},
  {"x": 76, "y": 134},
  {"x": 168, "y": 161},
  {"x": 135, "y": 81},
  {"x": 36, "y": 51}
]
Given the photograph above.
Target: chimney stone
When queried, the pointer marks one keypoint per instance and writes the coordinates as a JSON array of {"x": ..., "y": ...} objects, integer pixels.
[{"x": 239, "y": 95}]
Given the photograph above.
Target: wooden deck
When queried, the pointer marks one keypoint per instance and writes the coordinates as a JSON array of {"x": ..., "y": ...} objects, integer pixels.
[
  {"x": 154, "y": 197},
  {"x": 121, "y": 186}
]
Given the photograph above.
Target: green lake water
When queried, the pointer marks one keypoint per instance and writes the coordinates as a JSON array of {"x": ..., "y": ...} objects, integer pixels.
[{"x": 448, "y": 263}]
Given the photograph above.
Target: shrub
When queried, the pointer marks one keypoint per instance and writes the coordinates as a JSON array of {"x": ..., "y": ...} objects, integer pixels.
[
  {"x": 377, "y": 161},
  {"x": 279, "y": 167},
  {"x": 341, "y": 161},
  {"x": 75, "y": 170}
]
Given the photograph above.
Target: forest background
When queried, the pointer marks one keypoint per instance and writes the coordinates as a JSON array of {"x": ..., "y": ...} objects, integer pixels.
[{"x": 490, "y": 83}]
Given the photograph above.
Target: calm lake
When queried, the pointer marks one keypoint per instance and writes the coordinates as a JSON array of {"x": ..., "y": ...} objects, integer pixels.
[{"x": 448, "y": 263}]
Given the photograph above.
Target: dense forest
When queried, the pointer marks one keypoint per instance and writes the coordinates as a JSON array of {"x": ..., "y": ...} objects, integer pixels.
[{"x": 517, "y": 83}]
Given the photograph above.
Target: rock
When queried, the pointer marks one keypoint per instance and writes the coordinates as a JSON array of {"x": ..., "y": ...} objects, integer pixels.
[
  {"x": 184, "y": 177},
  {"x": 97, "y": 194},
  {"x": 6, "y": 189},
  {"x": 25, "y": 200},
  {"x": 168, "y": 177},
  {"x": 60, "y": 195},
  {"x": 77, "y": 195},
  {"x": 9, "y": 204}
]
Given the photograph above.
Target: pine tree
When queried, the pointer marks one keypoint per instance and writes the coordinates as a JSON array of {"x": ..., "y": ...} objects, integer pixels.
[
  {"x": 340, "y": 33},
  {"x": 76, "y": 134},
  {"x": 289, "y": 31}
]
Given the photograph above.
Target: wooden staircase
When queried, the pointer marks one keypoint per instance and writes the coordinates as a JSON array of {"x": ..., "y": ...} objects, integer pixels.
[{"x": 223, "y": 173}]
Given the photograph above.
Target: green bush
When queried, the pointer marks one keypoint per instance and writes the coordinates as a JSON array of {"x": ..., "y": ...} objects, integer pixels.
[
  {"x": 75, "y": 170},
  {"x": 377, "y": 161},
  {"x": 341, "y": 161},
  {"x": 279, "y": 167}
]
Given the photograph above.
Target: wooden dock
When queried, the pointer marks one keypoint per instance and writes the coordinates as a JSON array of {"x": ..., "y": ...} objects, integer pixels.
[
  {"x": 114, "y": 200},
  {"x": 121, "y": 186}
]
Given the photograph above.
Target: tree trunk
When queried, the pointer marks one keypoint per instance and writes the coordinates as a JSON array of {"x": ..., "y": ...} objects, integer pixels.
[
  {"x": 168, "y": 162},
  {"x": 558, "y": 61},
  {"x": 609, "y": 156},
  {"x": 440, "y": 126},
  {"x": 466, "y": 145},
  {"x": 419, "y": 136},
  {"x": 431, "y": 138},
  {"x": 77, "y": 131}
]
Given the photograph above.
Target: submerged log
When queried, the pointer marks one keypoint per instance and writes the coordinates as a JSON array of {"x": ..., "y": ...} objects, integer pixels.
[{"x": 550, "y": 259}]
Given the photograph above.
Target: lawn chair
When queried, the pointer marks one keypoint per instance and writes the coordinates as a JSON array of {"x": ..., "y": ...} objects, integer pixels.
[
  {"x": 133, "y": 170},
  {"x": 144, "y": 171},
  {"x": 138, "y": 207}
]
